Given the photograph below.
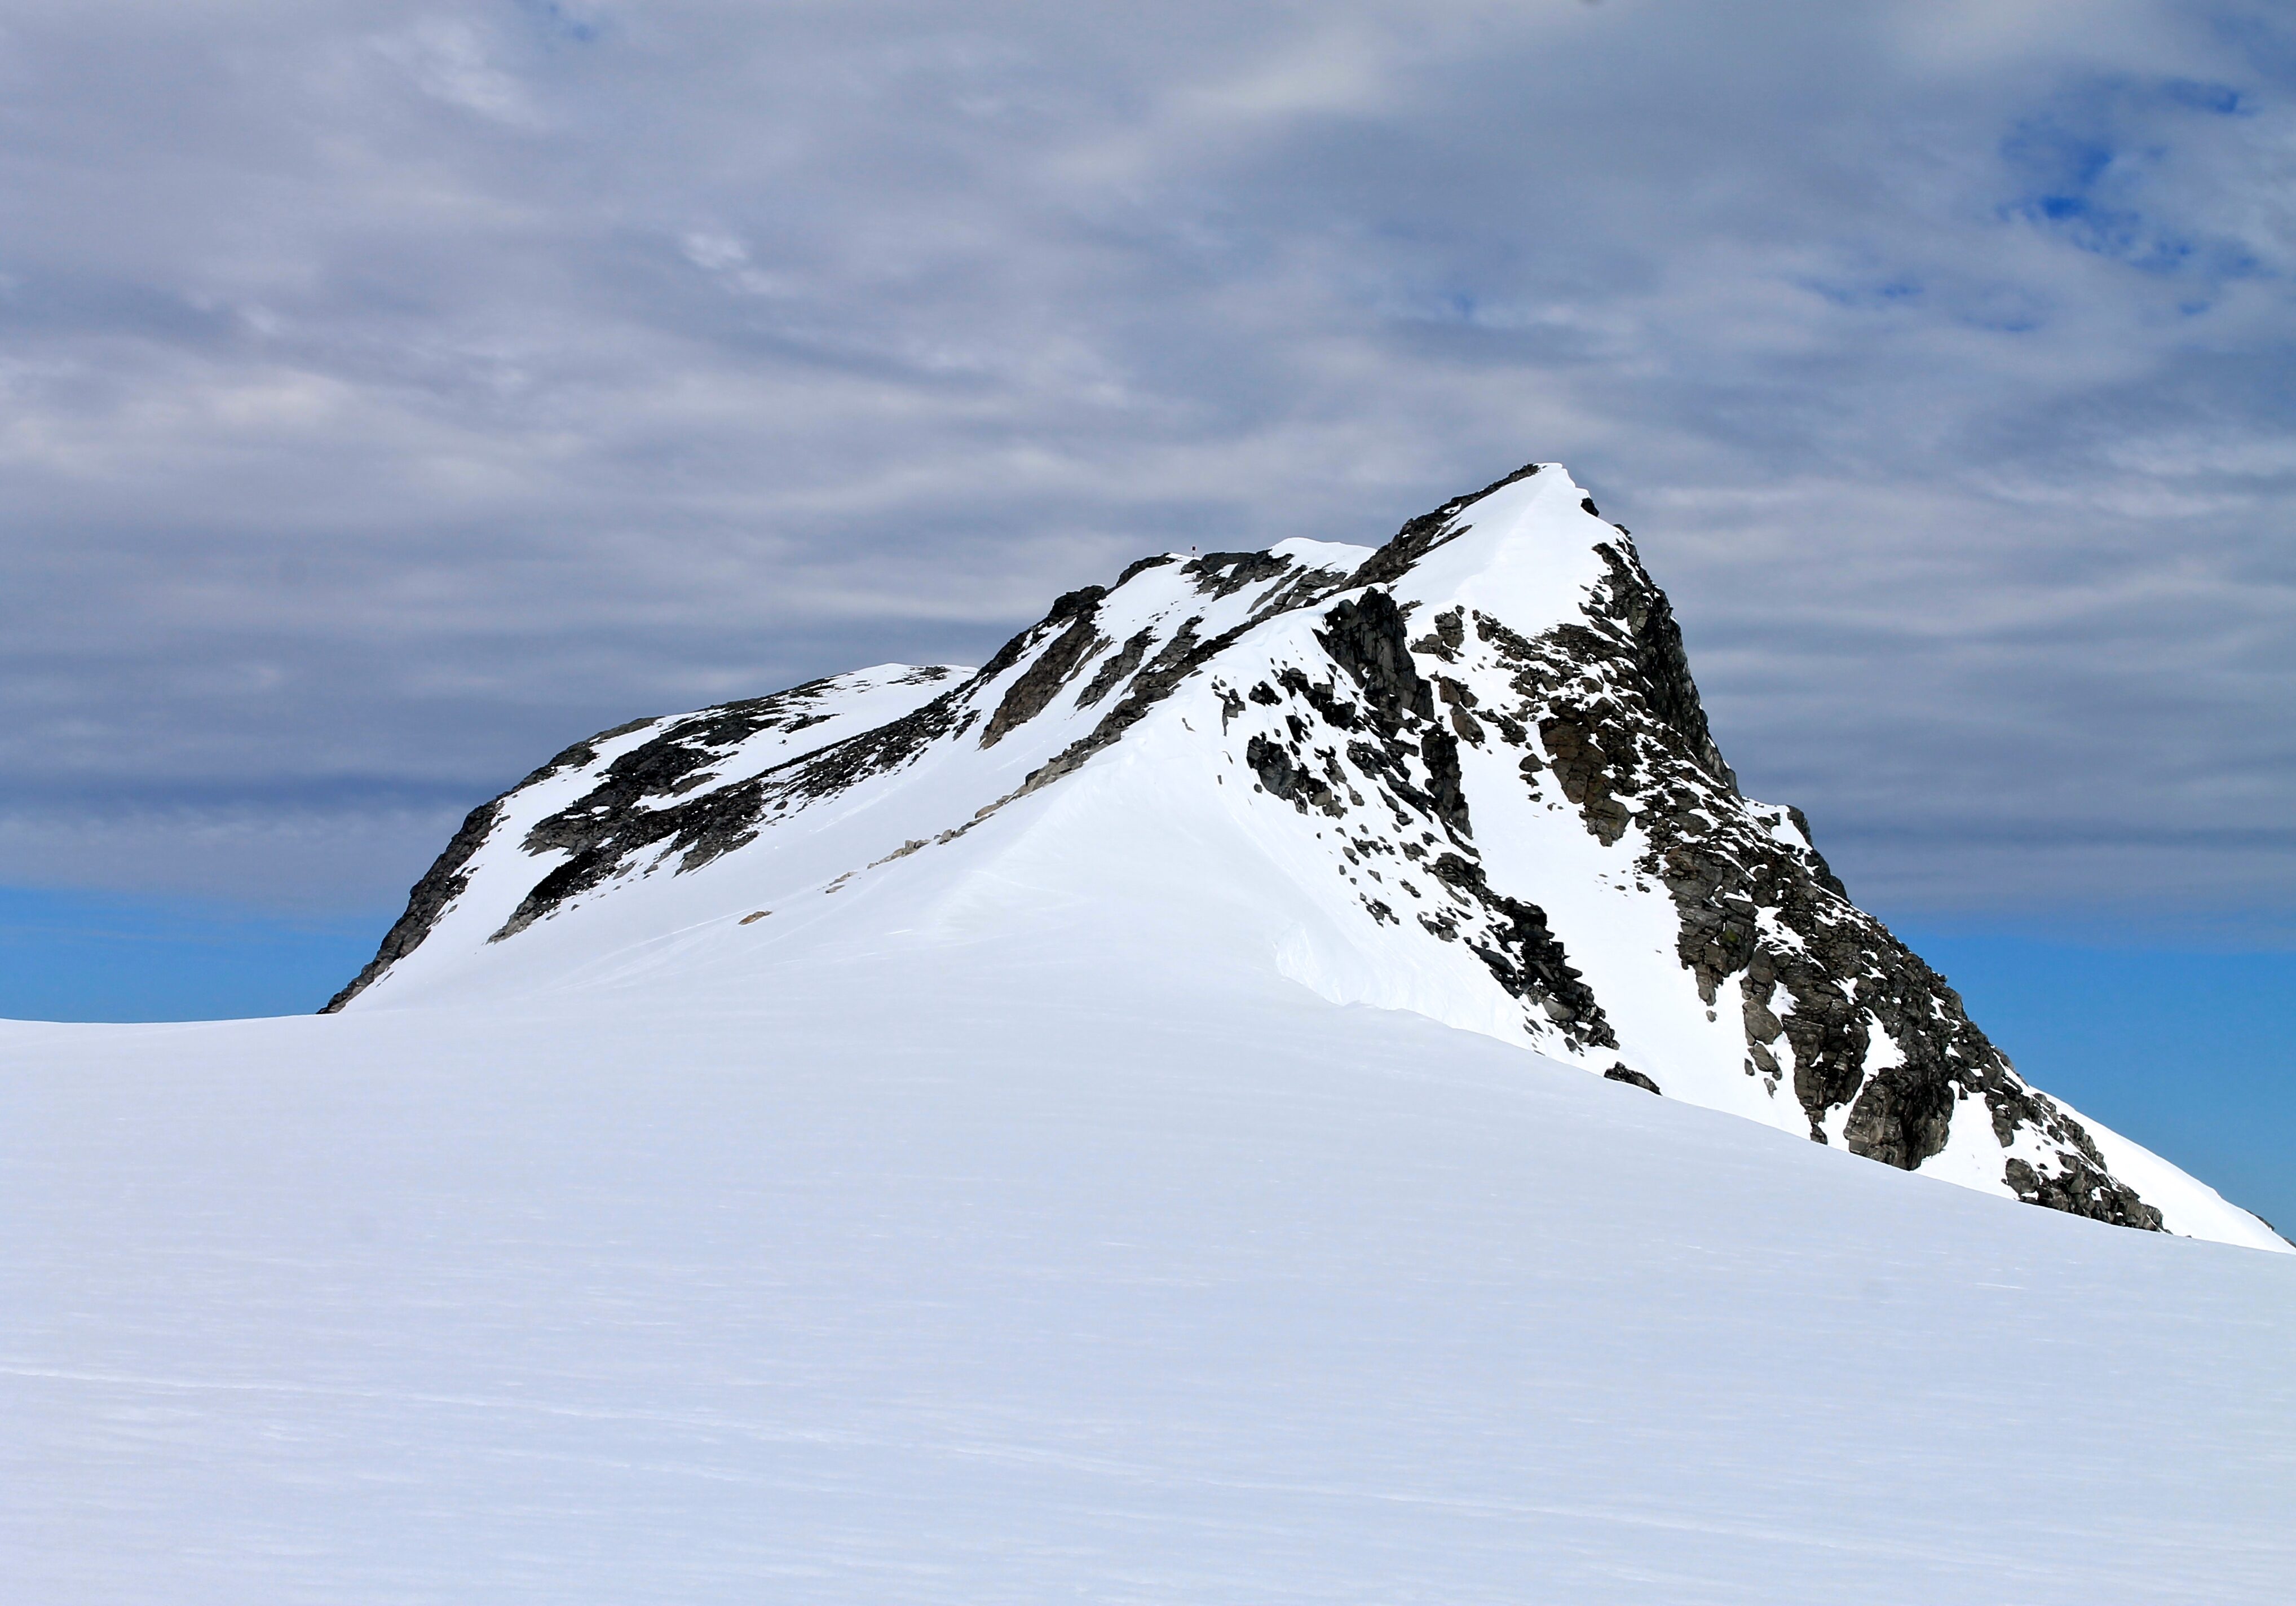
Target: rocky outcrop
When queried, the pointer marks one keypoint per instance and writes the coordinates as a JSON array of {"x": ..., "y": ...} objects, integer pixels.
[
  {"x": 1394, "y": 728},
  {"x": 1033, "y": 691},
  {"x": 1377, "y": 759},
  {"x": 1367, "y": 638},
  {"x": 1422, "y": 535},
  {"x": 440, "y": 886},
  {"x": 628, "y": 813}
]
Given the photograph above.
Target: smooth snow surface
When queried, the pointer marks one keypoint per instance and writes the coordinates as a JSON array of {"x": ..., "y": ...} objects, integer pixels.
[
  {"x": 854, "y": 1284},
  {"x": 884, "y": 1143}
]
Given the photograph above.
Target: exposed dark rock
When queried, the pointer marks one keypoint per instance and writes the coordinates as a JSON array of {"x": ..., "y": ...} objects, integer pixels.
[
  {"x": 1662, "y": 666},
  {"x": 1524, "y": 956},
  {"x": 1117, "y": 669},
  {"x": 2084, "y": 1192},
  {"x": 580, "y": 755},
  {"x": 1220, "y": 574},
  {"x": 1365, "y": 637},
  {"x": 604, "y": 831},
  {"x": 1180, "y": 658},
  {"x": 1632, "y": 1079},
  {"x": 1287, "y": 779},
  {"x": 1069, "y": 605},
  {"x": 1007, "y": 655},
  {"x": 1320, "y": 697},
  {"x": 1421, "y": 536},
  {"x": 1441, "y": 753},
  {"x": 1444, "y": 640},
  {"x": 1900, "y": 1121},
  {"x": 1824, "y": 872},
  {"x": 1042, "y": 680},
  {"x": 1832, "y": 1003},
  {"x": 1158, "y": 562},
  {"x": 844, "y": 765},
  {"x": 440, "y": 885},
  {"x": 1306, "y": 588},
  {"x": 601, "y": 831},
  {"x": 1585, "y": 769}
]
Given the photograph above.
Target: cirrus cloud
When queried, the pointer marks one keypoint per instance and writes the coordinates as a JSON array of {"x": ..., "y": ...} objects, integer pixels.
[{"x": 388, "y": 400}]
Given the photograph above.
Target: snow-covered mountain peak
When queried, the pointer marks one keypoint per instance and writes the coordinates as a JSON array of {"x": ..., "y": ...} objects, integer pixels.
[
  {"x": 1466, "y": 773},
  {"x": 1525, "y": 550}
]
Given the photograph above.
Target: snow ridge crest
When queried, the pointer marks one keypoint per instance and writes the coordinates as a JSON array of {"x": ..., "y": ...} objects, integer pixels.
[{"x": 1476, "y": 752}]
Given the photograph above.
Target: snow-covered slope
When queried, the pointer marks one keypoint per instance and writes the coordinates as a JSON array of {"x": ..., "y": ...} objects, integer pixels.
[
  {"x": 1465, "y": 774},
  {"x": 755, "y": 1273},
  {"x": 1126, "y": 1124}
]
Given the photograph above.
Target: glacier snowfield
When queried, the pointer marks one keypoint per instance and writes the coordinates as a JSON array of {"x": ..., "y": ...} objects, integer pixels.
[{"x": 1185, "y": 1287}]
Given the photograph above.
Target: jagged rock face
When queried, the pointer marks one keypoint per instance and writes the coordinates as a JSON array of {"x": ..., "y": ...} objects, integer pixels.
[
  {"x": 690, "y": 785},
  {"x": 439, "y": 887},
  {"x": 1833, "y": 1006},
  {"x": 1483, "y": 749}
]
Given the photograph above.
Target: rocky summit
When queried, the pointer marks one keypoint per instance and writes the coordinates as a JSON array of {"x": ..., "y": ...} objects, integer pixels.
[{"x": 1466, "y": 773}]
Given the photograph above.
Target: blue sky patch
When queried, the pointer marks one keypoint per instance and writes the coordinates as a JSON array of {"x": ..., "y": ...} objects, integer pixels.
[
  {"x": 556, "y": 19},
  {"x": 2096, "y": 172}
]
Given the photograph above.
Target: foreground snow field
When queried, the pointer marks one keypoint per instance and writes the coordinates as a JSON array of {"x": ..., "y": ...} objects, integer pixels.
[{"x": 850, "y": 1285}]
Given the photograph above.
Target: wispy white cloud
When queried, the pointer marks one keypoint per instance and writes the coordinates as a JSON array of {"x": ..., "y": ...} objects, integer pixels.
[
  {"x": 389, "y": 399},
  {"x": 448, "y": 59}
]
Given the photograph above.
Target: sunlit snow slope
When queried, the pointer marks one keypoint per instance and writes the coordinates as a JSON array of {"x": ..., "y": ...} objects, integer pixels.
[
  {"x": 1466, "y": 773},
  {"x": 1123, "y": 1126},
  {"x": 736, "y": 1273}
]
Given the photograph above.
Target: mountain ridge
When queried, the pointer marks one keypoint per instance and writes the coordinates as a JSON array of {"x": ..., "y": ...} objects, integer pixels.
[{"x": 1478, "y": 754}]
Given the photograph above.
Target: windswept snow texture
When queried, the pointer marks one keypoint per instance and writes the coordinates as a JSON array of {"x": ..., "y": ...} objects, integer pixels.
[
  {"x": 1466, "y": 773},
  {"x": 941, "y": 1267}
]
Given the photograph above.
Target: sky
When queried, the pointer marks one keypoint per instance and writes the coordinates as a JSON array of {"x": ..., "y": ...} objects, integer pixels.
[{"x": 390, "y": 395}]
